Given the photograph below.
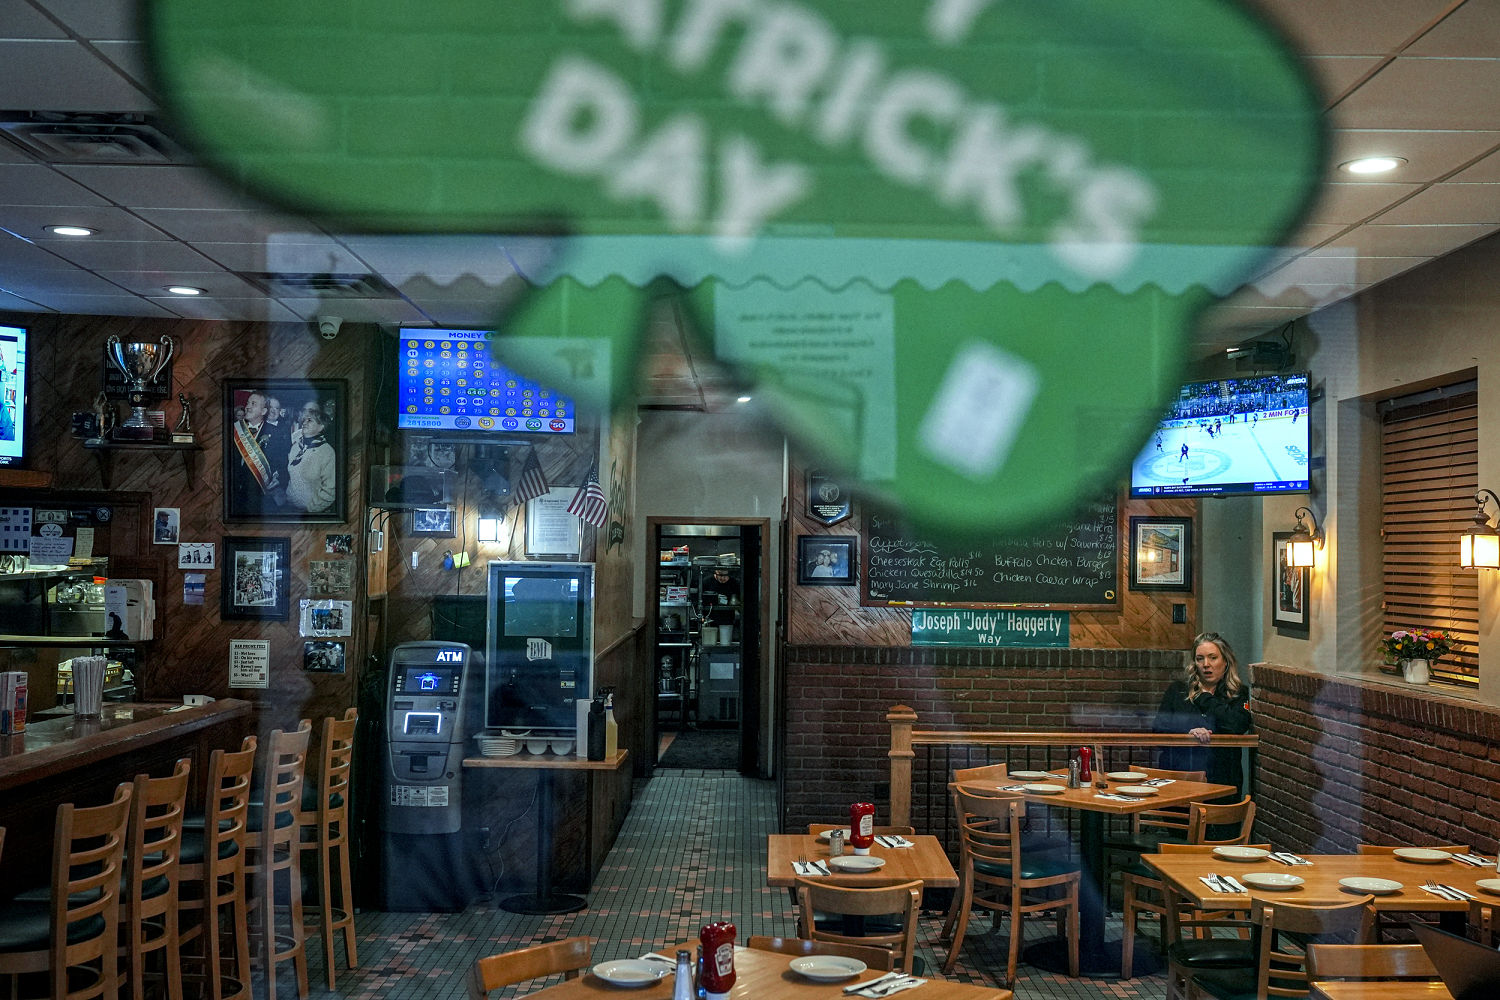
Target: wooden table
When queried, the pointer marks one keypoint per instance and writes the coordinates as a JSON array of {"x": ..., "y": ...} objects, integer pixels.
[
  {"x": 765, "y": 974},
  {"x": 1386, "y": 990},
  {"x": 545, "y": 900},
  {"x": 1321, "y": 880},
  {"x": 926, "y": 861},
  {"x": 1095, "y": 957}
]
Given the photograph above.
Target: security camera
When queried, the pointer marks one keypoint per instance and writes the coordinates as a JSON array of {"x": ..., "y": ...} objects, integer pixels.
[{"x": 328, "y": 326}]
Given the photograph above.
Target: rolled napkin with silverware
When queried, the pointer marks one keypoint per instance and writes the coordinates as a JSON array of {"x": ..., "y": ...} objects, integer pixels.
[
  {"x": 1221, "y": 883},
  {"x": 1288, "y": 858},
  {"x": 1477, "y": 860},
  {"x": 886, "y": 985}
]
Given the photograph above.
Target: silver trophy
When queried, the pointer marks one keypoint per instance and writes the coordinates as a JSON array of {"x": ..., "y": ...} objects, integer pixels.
[{"x": 140, "y": 362}]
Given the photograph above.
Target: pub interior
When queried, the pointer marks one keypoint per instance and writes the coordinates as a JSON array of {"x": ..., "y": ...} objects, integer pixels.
[{"x": 550, "y": 601}]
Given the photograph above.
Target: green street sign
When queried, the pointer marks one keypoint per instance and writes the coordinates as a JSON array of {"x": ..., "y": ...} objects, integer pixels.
[
  {"x": 957, "y": 246},
  {"x": 989, "y": 628}
]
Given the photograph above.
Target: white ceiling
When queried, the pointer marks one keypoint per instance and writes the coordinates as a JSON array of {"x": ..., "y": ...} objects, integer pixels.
[{"x": 1419, "y": 79}]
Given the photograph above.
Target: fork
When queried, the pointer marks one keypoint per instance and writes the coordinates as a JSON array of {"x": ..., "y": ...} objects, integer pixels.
[
  {"x": 892, "y": 986},
  {"x": 1445, "y": 891}
]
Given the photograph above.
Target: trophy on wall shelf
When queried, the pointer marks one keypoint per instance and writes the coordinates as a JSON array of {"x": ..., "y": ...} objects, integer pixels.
[
  {"x": 183, "y": 432},
  {"x": 140, "y": 362}
]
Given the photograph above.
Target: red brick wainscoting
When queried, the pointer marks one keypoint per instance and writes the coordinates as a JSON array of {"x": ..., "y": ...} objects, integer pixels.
[
  {"x": 1345, "y": 760},
  {"x": 837, "y": 698}
]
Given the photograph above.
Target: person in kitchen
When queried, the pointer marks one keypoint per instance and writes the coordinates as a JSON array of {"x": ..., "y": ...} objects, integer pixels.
[{"x": 720, "y": 598}]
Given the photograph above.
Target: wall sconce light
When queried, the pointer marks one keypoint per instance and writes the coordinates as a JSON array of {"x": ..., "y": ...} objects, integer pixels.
[
  {"x": 1479, "y": 546},
  {"x": 491, "y": 514},
  {"x": 1301, "y": 548}
]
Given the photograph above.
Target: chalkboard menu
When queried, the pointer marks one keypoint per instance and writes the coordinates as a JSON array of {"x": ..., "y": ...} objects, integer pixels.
[{"x": 1074, "y": 564}]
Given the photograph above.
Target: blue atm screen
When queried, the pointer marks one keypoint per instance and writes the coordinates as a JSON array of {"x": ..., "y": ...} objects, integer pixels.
[{"x": 427, "y": 680}]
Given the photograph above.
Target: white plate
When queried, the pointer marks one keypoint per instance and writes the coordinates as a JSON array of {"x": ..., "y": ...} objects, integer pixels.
[
  {"x": 827, "y": 968},
  {"x": 1233, "y": 852},
  {"x": 1489, "y": 884},
  {"x": 1138, "y": 790},
  {"x": 824, "y": 836},
  {"x": 1034, "y": 776},
  {"x": 1374, "y": 886},
  {"x": 632, "y": 972},
  {"x": 1270, "y": 880},
  {"x": 1043, "y": 789},
  {"x": 1422, "y": 855},
  {"x": 856, "y": 862},
  {"x": 1127, "y": 775}
]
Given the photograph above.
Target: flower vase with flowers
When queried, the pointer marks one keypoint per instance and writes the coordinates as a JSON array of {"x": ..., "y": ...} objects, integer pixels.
[{"x": 1416, "y": 649}]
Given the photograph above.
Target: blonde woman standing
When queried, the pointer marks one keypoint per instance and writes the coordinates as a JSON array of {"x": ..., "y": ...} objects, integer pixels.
[{"x": 1210, "y": 697}]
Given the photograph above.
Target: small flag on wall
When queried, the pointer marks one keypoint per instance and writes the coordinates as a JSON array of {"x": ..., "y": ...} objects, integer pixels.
[
  {"x": 532, "y": 483},
  {"x": 590, "y": 503}
]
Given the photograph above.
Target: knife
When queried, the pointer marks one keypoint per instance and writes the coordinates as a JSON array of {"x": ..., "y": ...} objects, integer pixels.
[
  {"x": 821, "y": 866},
  {"x": 874, "y": 982}
]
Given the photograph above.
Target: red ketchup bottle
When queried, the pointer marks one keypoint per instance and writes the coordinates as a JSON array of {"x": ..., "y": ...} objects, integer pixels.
[
  {"x": 717, "y": 948},
  {"x": 1085, "y": 774},
  {"x": 861, "y": 826}
]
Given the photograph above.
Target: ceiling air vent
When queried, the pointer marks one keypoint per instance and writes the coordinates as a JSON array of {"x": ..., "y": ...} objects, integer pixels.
[
  {"x": 323, "y": 285},
  {"x": 69, "y": 137}
]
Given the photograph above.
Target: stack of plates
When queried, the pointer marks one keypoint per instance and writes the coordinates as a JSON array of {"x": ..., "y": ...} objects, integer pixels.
[{"x": 497, "y": 746}]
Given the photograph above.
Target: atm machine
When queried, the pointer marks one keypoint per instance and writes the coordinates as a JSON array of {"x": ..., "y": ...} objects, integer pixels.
[{"x": 426, "y": 866}]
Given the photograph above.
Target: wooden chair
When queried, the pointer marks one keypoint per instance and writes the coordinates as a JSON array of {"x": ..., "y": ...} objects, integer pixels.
[
  {"x": 878, "y": 959},
  {"x": 151, "y": 887},
  {"x": 1387, "y": 922},
  {"x": 1136, "y": 879},
  {"x": 324, "y": 823},
  {"x": 824, "y": 897},
  {"x": 567, "y": 956},
  {"x": 1151, "y": 827},
  {"x": 814, "y": 829},
  {"x": 1032, "y": 841},
  {"x": 1205, "y": 818},
  {"x": 982, "y": 772},
  {"x": 1369, "y": 961},
  {"x": 1483, "y": 923},
  {"x": 213, "y": 862},
  {"x": 78, "y": 924},
  {"x": 1278, "y": 933},
  {"x": 995, "y": 875},
  {"x": 274, "y": 851}
]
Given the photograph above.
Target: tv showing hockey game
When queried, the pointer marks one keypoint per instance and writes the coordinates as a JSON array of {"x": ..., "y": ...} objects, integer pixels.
[{"x": 1229, "y": 436}]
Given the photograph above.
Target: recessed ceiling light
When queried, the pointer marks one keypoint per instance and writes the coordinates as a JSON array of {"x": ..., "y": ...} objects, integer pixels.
[
  {"x": 184, "y": 290},
  {"x": 71, "y": 231},
  {"x": 743, "y": 399},
  {"x": 1372, "y": 165}
]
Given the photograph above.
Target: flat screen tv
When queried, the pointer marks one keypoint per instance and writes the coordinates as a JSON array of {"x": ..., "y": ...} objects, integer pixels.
[
  {"x": 447, "y": 381},
  {"x": 12, "y": 396},
  {"x": 1229, "y": 436}
]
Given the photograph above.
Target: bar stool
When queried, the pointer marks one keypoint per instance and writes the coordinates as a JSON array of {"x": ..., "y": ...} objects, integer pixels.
[
  {"x": 79, "y": 922},
  {"x": 213, "y": 857},
  {"x": 152, "y": 871},
  {"x": 273, "y": 848},
  {"x": 325, "y": 819}
]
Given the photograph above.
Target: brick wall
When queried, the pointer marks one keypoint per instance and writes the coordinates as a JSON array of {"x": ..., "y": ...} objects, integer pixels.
[
  {"x": 837, "y": 698},
  {"x": 1344, "y": 760}
]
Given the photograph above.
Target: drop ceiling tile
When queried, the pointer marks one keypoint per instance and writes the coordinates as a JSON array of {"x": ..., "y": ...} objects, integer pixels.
[
  {"x": 104, "y": 305},
  {"x": 1486, "y": 170},
  {"x": 129, "y": 58},
  {"x": 1335, "y": 75},
  {"x": 35, "y": 184},
  {"x": 148, "y": 186},
  {"x": 115, "y": 255},
  {"x": 1429, "y": 155},
  {"x": 1377, "y": 240},
  {"x": 1336, "y": 270},
  {"x": 1352, "y": 27},
  {"x": 75, "y": 281},
  {"x": 31, "y": 222},
  {"x": 153, "y": 283},
  {"x": 64, "y": 76},
  {"x": 16, "y": 303},
  {"x": 250, "y": 310},
  {"x": 94, "y": 20},
  {"x": 322, "y": 256},
  {"x": 1422, "y": 93},
  {"x": 23, "y": 21},
  {"x": 393, "y": 312},
  {"x": 194, "y": 225},
  {"x": 1343, "y": 204},
  {"x": 1451, "y": 203},
  {"x": 23, "y": 255},
  {"x": 1471, "y": 30}
]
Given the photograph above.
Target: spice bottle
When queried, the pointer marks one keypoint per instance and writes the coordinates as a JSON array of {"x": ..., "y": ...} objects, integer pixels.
[
  {"x": 682, "y": 983},
  {"x": 862, "y": 826},
  {"x": 835, "y": 843},
  {"x": 1085, "y": 768},
  {"x": 1074, "y": 770},
  {"x": 716, "y": 945}
]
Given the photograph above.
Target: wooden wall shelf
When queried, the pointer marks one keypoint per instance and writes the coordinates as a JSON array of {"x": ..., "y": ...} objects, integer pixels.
[
  {"x": 105, "y": 451},
  {"x": 26, "y": 479}
]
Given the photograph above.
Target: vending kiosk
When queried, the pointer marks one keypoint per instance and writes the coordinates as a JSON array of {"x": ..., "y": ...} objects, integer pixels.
[
  {"x": 427, "y": 866},
  {"x": 540, "y": 656}
]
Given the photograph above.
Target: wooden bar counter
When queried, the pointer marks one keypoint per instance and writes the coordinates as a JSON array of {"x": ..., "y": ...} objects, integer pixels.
[{"x": 68, "y": 759}]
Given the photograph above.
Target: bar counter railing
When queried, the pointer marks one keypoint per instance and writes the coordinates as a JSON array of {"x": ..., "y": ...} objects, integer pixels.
[{"x": 921, "y": 760}]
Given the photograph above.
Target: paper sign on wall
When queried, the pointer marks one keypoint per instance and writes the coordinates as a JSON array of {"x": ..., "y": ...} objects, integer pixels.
[
  {"x": 249, "y": 663},
  {"x": 49, "y": 550}
]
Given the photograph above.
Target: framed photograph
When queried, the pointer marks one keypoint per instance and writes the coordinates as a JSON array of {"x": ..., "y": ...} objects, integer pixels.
[
  {"x": 551, "y": 532},
  {"x": 1290, "y": 590},
  {"x": 322, "y": 656},
  {"x": 330, "y": 577},
  {"x": 827, "y": 560},
  {"x": 256, "y": 579},
  {"x": 284, "y": 453},
  {"x": 324, "y": 619},
  {"x": 434, "y": 522},
  {"x": 1161, "y": 553},
  {"x": 167, "y": 526},
  {"x": 342, "y": 545}
]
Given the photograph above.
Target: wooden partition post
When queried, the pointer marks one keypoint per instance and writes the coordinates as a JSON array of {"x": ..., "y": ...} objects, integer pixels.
[{"x": 901, "y": 718}]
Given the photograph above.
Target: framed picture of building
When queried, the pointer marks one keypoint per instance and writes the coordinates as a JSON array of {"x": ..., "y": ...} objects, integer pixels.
[{"x": 1161, "y": 553}]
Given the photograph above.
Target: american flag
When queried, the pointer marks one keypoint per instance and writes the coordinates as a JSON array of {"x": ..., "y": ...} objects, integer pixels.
[
  {"x": 532, "y": 483},
  {"x": 590, "y": 503}
]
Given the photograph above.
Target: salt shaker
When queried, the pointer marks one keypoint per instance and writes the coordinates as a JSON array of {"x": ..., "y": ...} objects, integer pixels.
[
  {"x": 835, "y": 843},
  {"x": 682, "y": 985}
]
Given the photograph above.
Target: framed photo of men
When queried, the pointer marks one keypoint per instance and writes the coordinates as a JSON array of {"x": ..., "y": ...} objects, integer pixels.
[{"x": 284, "y": 450}]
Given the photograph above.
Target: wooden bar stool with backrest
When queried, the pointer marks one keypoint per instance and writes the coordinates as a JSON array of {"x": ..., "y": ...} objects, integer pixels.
[
  {"x": 152, "y": 873},
  {"x": 567, "y": 956},
  {"x": 324, "y": 823},
  {"x": 996, "y": 875},
  {"x": 273, "y": 840},
  {"x": 78, "y": 924},
  {"x": 878, "y": 959},
  {"x": 822, "y": 903},
  {"x": 213, "y": 861},
  {"x": 1136, "y": 878},
  {"x": 1385, "y": 921}
]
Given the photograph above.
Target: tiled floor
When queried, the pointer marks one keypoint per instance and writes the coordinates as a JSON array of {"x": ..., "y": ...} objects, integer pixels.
[{"x": 692, "y": 848}]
